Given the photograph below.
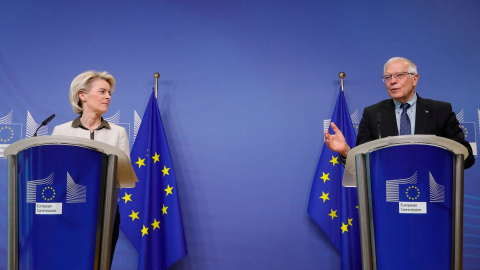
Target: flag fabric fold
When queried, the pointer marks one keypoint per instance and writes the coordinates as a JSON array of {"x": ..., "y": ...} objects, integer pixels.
[
  {"x": 333, "y": 207},
  {"x": 150, "y": 212}
]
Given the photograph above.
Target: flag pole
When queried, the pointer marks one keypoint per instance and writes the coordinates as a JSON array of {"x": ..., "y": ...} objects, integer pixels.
[
  {"x": 156, "y": 75},
  {"x": 341, "y": 75}
]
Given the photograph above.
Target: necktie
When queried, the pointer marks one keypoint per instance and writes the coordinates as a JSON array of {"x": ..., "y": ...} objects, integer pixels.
[{"x": 405, "y": 127}]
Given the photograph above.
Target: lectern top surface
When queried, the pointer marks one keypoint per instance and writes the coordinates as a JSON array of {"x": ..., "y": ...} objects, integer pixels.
[
  {"x": 349, "y": 176},
  {"x": 125, "y": 173}
]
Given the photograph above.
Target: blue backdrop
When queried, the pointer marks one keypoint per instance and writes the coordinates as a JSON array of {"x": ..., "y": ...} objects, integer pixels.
[{"x": 244, "y": 91}]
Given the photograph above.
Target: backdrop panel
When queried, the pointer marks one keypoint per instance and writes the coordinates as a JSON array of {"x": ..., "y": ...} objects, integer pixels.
[{"x": 245, "y": 89}]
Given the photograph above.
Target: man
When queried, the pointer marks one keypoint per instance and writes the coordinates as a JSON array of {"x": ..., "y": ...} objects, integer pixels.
[{"x": 421, "y": 116}]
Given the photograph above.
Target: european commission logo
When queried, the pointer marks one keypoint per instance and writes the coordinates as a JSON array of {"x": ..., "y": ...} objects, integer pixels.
[
  {"x": 355, "y": 122},
  {"x": 469, "y": 131},
  {"x": 9, "y": 132},
  {"x": 412, "y": 195},
  {"x": 49, "y": 195},
  {"x": 32, "y": 126},
  {"x": 115, "y": 119}
]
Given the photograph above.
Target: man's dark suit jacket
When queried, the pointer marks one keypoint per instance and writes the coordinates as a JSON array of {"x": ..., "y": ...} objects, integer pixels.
[{"x": 432, "y": 117}]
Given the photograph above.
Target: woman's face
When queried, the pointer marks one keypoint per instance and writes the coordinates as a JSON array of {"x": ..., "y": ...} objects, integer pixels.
[{"x": 97, "y": 99}]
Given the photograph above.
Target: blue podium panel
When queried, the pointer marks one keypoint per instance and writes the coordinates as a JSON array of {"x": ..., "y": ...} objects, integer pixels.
[
  {"x": 58, "y": 204},
  {"x": 411, "y": 197}
]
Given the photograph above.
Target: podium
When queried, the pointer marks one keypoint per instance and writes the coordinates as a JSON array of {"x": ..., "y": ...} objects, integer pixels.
[
  {"x": 410, "y": 196},
  {"x": 62, "y": 199}
]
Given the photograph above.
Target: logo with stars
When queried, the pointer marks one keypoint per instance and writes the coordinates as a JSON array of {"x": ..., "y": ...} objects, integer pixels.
[
  {"x": 469, "y": 132},
  {"x": 9, "y": 132},
  {"x": 6, "y": 134},
  {"x": 48, "y": 193},
  {"x": 413, "y": 193}
]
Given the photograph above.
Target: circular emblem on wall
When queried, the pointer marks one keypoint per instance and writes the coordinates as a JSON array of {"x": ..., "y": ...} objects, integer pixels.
[
  {"x": 464, "y": 129},
  {"x": 6, "y": 134},
  {"x": 413, "y": 193},
  {"x": 48, "y": 193}
]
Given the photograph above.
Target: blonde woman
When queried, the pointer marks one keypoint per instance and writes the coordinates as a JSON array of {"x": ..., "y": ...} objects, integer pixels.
[{"x": 90, "y": 96}]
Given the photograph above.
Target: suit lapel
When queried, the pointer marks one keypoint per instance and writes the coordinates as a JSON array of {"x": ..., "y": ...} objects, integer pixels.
[
  {"x": 422, "y": 116},
  {"x": 389, "y": 123}
]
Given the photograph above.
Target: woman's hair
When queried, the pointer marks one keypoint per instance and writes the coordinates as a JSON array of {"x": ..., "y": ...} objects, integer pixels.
[{"x": 83, "y": 83}]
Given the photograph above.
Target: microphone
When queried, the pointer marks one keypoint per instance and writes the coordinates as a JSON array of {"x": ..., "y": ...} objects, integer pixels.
[
  {"x": 379, "y": 121},
  {"x": 44, "y": 123}
]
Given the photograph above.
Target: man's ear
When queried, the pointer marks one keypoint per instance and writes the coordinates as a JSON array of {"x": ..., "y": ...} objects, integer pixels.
[{"x": 415, "y": 79}]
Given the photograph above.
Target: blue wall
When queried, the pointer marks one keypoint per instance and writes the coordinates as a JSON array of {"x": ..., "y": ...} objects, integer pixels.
[{"x": 245, "y": 87}]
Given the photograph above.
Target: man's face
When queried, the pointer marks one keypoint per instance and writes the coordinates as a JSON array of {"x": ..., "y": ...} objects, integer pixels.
[{"x": 401, "y": 90}]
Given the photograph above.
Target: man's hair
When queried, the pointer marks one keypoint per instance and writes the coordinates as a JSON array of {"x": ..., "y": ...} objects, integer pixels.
[{"x": 412, "y": 68}]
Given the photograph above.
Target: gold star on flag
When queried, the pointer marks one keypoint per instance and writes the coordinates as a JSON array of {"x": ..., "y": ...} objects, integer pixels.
[
  {"x": 127, "y": 197},
  {"x": 325, "y": 177},
  {"x": 156, "y": 158},
  {"x": 350, "y": 221},
  {"x": 324, "y": 196},
  {"x": 334, "y": 160},
  {"x": 344, "y": 227},
  {"x": 140, "y": 162},
  {"x": 134, "y": 215},
  {"x": 144, "y": 230},
  {"x": 164, "y": 210},
  {"x": 165, "y": 170},
  {"x": 156, "y": 224},
  {"x": 333, "y": 213},
  {"x": 168, "y": 190}
]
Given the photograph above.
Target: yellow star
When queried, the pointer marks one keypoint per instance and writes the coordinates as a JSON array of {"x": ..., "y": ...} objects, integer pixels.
[
  {"x": 344, "y": 227},
  {"x": 350, "y": 221},
  {"x": 134, "y": 215},
  {"x": 168, "y": 190},
  {"x": 333, "y": 214},
  {"x": 165, "y": 170},
  {"x": 127, "y": 197},
  {"x": 156, "y": 224},
  {"x": 334, "y": 161},
  {"x": 140, "y": 162},
  {"x": 324, "y": 196},
  {"x": 325, "y": 177},
  {"x": 156, "y": 158},
  {"x": 144, "y": 230},
  {"x": 164, "y": 209}
]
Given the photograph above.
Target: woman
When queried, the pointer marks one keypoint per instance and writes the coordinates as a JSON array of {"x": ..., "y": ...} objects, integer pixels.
[{"x": 90, "y": 96}]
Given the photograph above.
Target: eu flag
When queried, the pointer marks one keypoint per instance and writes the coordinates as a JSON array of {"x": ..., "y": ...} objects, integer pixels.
[
  {"x": 150, "y": 212},
  {"x": 332, "y": 206}
]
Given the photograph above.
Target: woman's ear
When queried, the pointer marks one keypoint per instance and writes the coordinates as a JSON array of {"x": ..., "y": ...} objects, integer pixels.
[{"x": 82, "y": 96}]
